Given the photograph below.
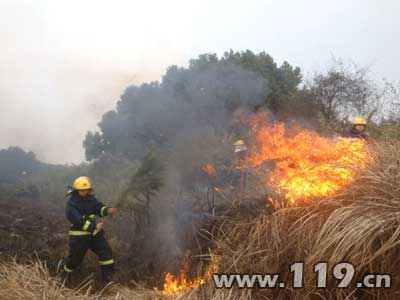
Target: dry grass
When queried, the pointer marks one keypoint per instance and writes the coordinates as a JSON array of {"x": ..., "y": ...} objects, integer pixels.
[
  {"x": 32, "y": 281},
  {"x": 360, "y": 226}
]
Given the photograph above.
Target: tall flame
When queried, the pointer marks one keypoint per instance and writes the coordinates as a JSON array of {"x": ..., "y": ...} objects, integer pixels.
[{"x": 303, "y": 164}]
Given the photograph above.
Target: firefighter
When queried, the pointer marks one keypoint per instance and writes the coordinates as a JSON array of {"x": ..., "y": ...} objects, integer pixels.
[
  {"x": 85, "y": 233},
  {"x": 240, "y": 148},
  {"x": 358, "y": 129}
]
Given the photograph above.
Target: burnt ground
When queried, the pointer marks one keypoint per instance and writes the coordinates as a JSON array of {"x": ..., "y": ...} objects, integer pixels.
[{"x": 30, "y": 230}]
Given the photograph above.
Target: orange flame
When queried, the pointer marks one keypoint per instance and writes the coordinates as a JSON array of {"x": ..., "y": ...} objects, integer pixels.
[
  {"x": 209, "y": 169},
  {"x": 175, "y": 285},
  {"x": 303, "y": 164}
]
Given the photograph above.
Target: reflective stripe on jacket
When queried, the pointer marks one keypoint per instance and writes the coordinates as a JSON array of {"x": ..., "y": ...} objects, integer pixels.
[{"x": 81, "y": 212}]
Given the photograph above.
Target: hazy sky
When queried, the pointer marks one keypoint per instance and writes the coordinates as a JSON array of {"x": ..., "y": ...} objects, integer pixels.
[{"x": 64, "y": 63}]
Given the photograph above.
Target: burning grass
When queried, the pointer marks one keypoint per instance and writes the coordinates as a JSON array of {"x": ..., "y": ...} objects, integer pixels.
[
  {"x": 360, "y": 225},
  {"x": 301, "y": 164},
  {"x": 181, "y": 284}
]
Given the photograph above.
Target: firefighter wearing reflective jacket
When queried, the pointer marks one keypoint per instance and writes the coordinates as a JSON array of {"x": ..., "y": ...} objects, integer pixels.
[{"x": 84, "y": 234}]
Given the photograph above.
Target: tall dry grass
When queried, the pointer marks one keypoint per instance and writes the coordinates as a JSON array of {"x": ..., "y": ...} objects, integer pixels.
[
  {"x": 361, "y": 226},
  {"x": 32, "y": 281}
]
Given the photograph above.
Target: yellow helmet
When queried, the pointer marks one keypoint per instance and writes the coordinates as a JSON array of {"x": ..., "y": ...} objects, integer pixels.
[
  {"x": 82, "y": 183},
  {"x": 240, "y": 146},
  {"x": 239, "y": 143},
  {"x": 359, "y": 121}
]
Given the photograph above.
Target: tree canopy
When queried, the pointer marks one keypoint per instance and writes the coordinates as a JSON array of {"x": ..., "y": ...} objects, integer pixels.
[
  {"x": 15, "y": 163},
  {"x": 206, "y": 93}
]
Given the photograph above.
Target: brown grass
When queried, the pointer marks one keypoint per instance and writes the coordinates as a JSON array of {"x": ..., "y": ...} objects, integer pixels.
[
  {"x": 360, "y": 226},
  {"x": 32, "y": 281}
]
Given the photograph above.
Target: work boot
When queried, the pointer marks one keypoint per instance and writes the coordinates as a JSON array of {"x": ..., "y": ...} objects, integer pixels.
[{"x": 107, "y": 274}]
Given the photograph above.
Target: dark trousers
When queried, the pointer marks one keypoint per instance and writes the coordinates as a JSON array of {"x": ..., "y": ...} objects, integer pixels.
[{"x": 79, "y": 245}]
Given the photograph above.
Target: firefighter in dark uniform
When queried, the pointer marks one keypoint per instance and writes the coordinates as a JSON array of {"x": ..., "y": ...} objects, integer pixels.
[
  {"x": 84, "y": 234},
  {"x": 358, "y": 129}
]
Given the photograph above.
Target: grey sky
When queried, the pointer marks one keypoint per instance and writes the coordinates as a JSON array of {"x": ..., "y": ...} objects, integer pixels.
[{"x": 64, "y": 63}]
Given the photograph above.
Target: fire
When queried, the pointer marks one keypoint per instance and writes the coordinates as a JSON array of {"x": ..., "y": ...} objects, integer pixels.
[
  {"x": 304, "y": 165},
  {"x": 175, "y": 285},
  {"x": 209, "y": 169}
]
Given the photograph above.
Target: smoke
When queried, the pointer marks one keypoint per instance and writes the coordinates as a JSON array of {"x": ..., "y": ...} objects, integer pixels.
[
  {"x": 47, "y": 108},
  {"x": 217, "y": 94},
  {"x": 55, "y": 85},
  {"x": 189, "y": 120},
  {"x": 186, "y": 104}
]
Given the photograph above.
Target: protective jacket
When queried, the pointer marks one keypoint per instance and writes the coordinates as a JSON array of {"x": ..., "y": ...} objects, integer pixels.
[
  {"x": 83, "y": 236},
  {"x": 81, "y": 213}
]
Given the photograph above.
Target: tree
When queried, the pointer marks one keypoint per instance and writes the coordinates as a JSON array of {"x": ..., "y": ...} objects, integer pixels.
[
  {"x": 145, "y": 183},
  {"x": 281, "y": 82},
  {"x": 15, "y": 163},
  {"x": 94, "y": 145},
  {"x": 345, "y": 91},
  {"x": 205, "y": 94},
  {"x": 393, "y": 95}
]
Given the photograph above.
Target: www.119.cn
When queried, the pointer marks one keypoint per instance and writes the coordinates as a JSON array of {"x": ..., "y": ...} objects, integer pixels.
[{"x": 343, "y": 274}]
